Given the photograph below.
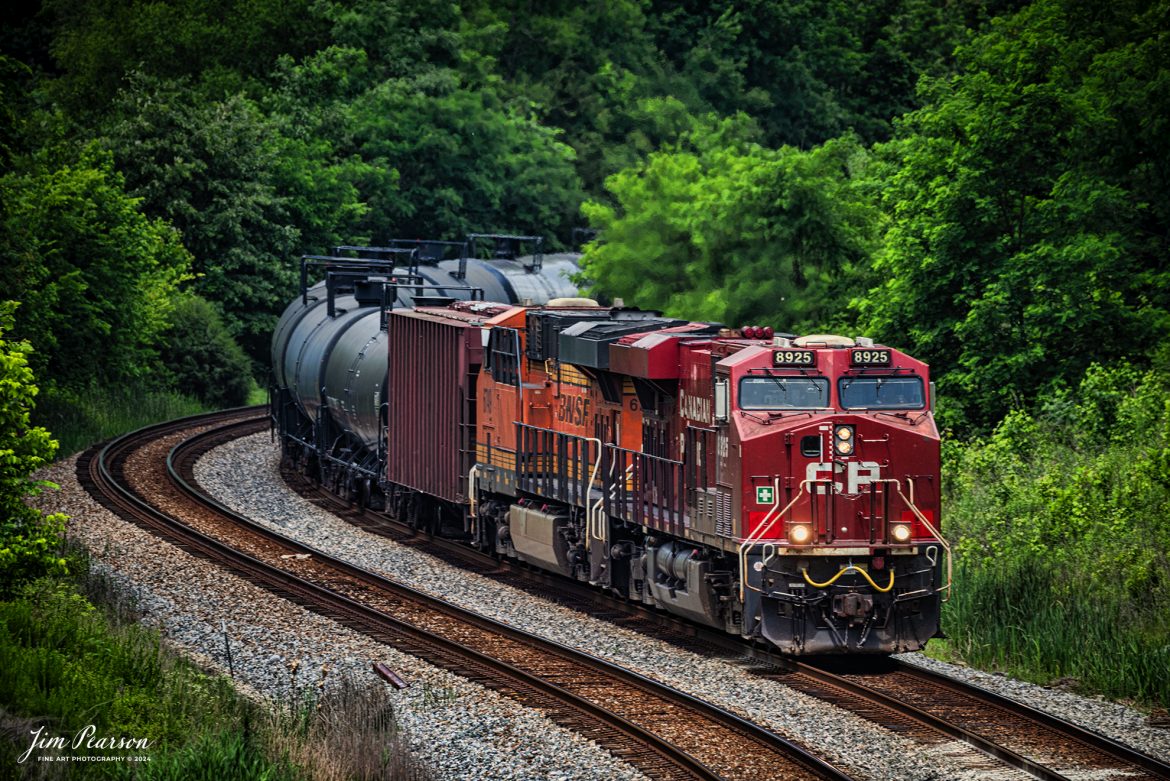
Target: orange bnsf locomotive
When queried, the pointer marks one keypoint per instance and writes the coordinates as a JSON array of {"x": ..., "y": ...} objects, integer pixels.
[{"x": 774, "y": 487}]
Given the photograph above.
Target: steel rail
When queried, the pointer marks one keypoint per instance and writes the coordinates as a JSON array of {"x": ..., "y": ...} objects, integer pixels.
[
  {"x": 921, "y": 717},
  {"x": 1105, "y": 745},
  {"x": 103, "y": 465},
  {"x": 702, "y": 638}
]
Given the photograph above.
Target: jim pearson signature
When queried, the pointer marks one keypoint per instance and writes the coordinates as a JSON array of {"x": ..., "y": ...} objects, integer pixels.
[{"x": 85, "y": 738}]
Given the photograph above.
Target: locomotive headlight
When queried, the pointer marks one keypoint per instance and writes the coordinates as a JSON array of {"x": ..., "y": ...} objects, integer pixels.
[
  {"x": 843, "y": 440},
  {"x": 800, "y": 534},
  {"x": 900, "y": 532}
]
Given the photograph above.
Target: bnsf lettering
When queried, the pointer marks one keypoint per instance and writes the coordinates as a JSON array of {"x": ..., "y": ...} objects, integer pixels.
[
  {"x": 695, "y": 407},
  {"x": 573, "y": 410}
]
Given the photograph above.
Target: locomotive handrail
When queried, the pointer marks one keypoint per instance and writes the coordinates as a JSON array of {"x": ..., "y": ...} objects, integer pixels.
[
  {"x": 850, "y": 568},
  {"x": 595, "y": 510},
  {"x": 753, "y": 539},
  {"x": 472, "y": 492},
  {"x": 929, "y": 527}
]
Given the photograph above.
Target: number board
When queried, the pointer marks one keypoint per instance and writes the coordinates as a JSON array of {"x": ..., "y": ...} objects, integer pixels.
[
  {"x": 870, "y": 357},
  {"x": 794, "y": 358}
]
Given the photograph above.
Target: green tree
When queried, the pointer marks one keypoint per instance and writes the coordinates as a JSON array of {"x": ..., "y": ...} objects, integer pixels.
[
  {"x": 94, "y": 275},
  {"x": 464, "y": 162},
  {"x": 1028, "y": 207},
  {"x": 589, "y": 70},
  {"x": 97, "y": 44},
  {"x": 201, "y": 356},
  {"x": 400, "y": 39},
  {"x": 720, "y": 228},
  {"x": 318, "y": 170},
  {"x": 28, "y": 539},
  {"x": 211, "y": 168},
  {"x": 810, "y": 71}
]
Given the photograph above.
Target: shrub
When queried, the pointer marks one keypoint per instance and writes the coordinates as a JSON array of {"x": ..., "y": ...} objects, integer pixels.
[
  {"x": 1061, "y": 532},
  {"x": 202, "y": 357},
  {"x": 29, "y": 540}
]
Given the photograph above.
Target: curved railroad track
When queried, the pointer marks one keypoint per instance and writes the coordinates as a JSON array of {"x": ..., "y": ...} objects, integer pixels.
[
  {"x": 902, "y": 697},
  {"x": 145, "y": 477}
]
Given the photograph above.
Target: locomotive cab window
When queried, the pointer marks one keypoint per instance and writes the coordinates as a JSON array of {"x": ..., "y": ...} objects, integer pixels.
[
  {"x": 881, "y": 393},
  {"x": 783, "y": 393}
]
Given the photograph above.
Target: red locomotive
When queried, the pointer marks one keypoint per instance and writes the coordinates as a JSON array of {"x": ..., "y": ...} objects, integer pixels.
[{"x": 773, "y": 487}]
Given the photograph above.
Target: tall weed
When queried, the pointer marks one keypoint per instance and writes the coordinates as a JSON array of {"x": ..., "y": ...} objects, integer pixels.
[
  {"x": 344, "y": 732},
  {"x": 80, "y": 419}
]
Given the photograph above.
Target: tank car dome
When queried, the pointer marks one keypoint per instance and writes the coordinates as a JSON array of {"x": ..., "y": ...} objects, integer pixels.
[{"x": 337, "y": 361}]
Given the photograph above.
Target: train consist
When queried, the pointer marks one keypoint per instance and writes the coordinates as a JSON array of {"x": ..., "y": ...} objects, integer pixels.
[{"x": 774, "y": 487}]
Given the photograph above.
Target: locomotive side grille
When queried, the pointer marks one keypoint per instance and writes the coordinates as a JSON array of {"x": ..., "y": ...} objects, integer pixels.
[
  {"x": 712, "y": 511},
  {"x": 704, "y": 517},
  {"x": 722, "y": 513}
]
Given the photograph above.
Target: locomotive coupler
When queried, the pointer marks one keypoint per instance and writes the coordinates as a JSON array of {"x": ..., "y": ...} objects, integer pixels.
[{"x": 856, "y": 608}]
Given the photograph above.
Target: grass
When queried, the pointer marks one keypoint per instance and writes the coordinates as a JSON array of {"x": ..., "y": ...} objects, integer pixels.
[
  {"x": 257, "y": 395},
  {"x": 1060, "y": 519},
  {"x": 73, "y": 655},
  {"x": 343, "y": 733},
  {"x": 69, "y": 664},
  {"x": 1024, "y": 624},
  {"x": 80, "y": 419}
]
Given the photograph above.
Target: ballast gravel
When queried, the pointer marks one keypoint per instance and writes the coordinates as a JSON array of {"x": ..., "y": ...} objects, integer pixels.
[{"x": 456, "y": 728}]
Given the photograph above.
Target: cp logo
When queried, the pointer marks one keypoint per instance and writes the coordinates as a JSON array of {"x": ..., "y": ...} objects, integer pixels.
[{"x": 856, "y": 473}]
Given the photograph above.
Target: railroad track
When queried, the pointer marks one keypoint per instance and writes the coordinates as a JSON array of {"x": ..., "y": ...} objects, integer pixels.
[
  {"x": 933, "y": 708},
  {"x": 909, "y": 700},
  {"x": 665, "y": 733}
]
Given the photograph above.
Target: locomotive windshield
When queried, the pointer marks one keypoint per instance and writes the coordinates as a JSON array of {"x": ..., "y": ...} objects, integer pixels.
[
  {"x": 881, "y": 393},
  {"x": 783, "y": 393}
]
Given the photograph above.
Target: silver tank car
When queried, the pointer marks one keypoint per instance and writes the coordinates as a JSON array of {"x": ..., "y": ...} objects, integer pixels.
[{"x": 329, "y": 349}]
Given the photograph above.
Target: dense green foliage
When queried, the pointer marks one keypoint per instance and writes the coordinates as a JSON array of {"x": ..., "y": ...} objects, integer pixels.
[
  {"x": 29, "y": 540},
  {"x": 208, "y": 169},
  {"x": 93, "y": 274},
  {"x": 202, "y": 356},
  {"x": 738, "y": 232},
  {"x": 1029, "y": 207},
  {"x": 1063, "y": 522},
  {"x": 982, "y": 183}
]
